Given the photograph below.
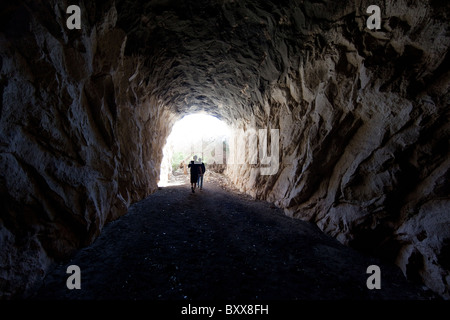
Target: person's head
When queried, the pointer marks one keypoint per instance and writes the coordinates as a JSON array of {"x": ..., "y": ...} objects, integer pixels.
[
  {"x": 199, "y": 159},
  {"x": 195, "y": 158}
]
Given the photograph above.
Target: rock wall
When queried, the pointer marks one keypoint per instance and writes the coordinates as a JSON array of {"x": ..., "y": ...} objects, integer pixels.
[
  {"x": 362, "y": 118},
  {"x": 77, "y": 142},
  {"x": 364, "y": 133}
]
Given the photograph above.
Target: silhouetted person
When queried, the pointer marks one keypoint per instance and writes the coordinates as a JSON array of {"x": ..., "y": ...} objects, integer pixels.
[
  {"x": 201, "y": 173},
  {"x": 194, "y": 173}
]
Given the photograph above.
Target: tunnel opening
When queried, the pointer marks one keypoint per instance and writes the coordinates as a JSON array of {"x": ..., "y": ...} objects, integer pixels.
[{"x": 197, "y": 134}]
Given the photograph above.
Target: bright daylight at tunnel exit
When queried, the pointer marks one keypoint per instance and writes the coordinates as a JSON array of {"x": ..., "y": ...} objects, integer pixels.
[
  {"x": 200, "y": 135},
  {"x": 225, "y": 150}
]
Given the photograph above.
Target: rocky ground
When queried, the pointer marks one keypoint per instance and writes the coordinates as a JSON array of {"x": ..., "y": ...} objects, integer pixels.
[{"x": 216, "y": 244}]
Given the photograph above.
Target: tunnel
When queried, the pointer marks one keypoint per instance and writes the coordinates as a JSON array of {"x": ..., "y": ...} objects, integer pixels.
[{"x": 353, "y": 120}]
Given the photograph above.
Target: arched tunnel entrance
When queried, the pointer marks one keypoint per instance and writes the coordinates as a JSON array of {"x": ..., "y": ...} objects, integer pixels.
[
  {"x": 336, "y": 123},
  {"x": 195, "y": 135}
]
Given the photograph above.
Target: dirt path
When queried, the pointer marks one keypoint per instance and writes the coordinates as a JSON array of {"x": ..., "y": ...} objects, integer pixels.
[{"x": 216, "y": 244}]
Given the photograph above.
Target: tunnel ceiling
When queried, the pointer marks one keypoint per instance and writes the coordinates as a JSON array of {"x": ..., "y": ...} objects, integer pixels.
[
  {"x": 223, "y": 56},
  {"x": 228, "y": 57},
  {"x": 208, "y": 55},
  {"x": 362, "y": 115}
]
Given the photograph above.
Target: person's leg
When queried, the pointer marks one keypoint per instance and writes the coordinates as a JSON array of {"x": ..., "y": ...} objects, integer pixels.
[
  {"x": 193, "y": 180},
  {"x": 200, "y": 179},
  {"x": 194, "y": 183}
]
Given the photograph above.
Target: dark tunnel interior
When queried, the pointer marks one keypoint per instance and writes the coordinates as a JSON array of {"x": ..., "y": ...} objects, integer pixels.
[{"x": 359, "y": 119}]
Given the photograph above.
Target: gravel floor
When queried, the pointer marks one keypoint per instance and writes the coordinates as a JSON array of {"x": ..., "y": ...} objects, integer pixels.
[{"x": 217, "y": 244}]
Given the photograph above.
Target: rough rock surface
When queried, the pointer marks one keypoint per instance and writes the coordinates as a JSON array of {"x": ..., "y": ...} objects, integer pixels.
[{"x": 363, "y": 119}]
